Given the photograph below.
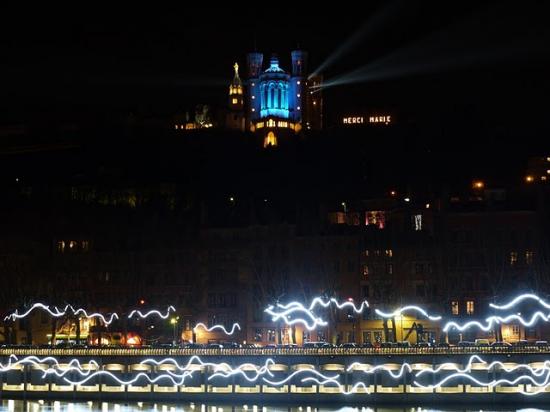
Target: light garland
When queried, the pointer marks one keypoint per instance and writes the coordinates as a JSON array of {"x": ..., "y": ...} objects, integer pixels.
[
  {"x": 519, "y": 299},
  {"x": 152, "y": 312},
  {"x": 234, "y": 327},
  {"x": 538, "y": 377}
]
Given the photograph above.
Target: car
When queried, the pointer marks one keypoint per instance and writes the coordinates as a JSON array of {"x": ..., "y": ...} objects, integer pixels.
[
  {"x": 230, "y": 345},
  {"x": 465, "y": 344},
  {"x": 214, "y": 346},
  {"x": 500, "y": 344},
  {"x": 481, "y": 342},
  {"x": 443, "y": 345},
  {"x": 251, "y": 346},
  {"x": 404, "y": 344},
  {"x": 270, "y": 346},
  {"x": 388, "y": 345},
  {"x": 287, "y": 346},
  {"x": 422, "y": 345},
  {"x": 367, "y": 345},
  {"x": 326, "y": 345},
  {"x": 541, "y": 344},
  {"x": 348, "y": 345},
  {"x": 79, "y": 346},
  {"x": 310, "y": 345},
  {"x": 522, "y": 343},
  {"x": 158, "y": 345},
  {"x": 192, "y": 345}
]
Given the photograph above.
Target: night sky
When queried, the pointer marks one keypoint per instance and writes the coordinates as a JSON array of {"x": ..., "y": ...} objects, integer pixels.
[{"x": 465, "y": 68}]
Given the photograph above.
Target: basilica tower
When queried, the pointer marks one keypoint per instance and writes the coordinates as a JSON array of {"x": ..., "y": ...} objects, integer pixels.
[{"x": 235, "y": 116}]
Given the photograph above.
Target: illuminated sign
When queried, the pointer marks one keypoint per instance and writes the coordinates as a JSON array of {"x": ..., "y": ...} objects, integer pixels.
[
  {"x": 354, "y": 120},
  {"x": 357, "y": 120},
  {"x": 380, "y": 119}
]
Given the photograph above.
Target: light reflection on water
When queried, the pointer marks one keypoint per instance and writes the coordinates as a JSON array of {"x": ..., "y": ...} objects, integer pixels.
[{"x": 61, "y": 406}]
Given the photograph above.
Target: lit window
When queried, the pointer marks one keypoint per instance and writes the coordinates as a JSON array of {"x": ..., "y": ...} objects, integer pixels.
[
  {"x": 417, "y": 222},
  {"x": 470, "y": 307},
  {"x": 72, "y": 244},
  {"x": 271, "y": 335},
  {"x": 176, "y": 126},
  {"x": 61, "y": 246},
  {"x": 515, "y": 329},
  {"x": 389, "y": 253},
  {"x": 367, "y": 252},
  {"x": 365, "y": 270},
  {"x": 513, "y": 258},
  {"x": 529, "y": 179},
  {"x": 314, "y": 103},
  {"x": 529, "y": 254},
  {"x": 234, "y": 101},
  {"x": 258, "y": 335},
  {"x": 454, "y": 307},
  {"x": 376, "y": 218}
]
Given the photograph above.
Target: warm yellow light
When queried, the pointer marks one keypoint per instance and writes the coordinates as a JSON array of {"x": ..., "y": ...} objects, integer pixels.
[
  {"x": 529, "y": 179},
  {"x": 478, "y": 184},
  {"x": 173, "y": 321},
  {"x": 543, "y": 178},
  {"x": 393, "y": 193},
  {"x": 427, "y": 205},
  {"x": 270, "y": 139}
]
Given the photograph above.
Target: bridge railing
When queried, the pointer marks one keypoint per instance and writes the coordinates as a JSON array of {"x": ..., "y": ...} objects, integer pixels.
[{"x": 143, "y": 352}]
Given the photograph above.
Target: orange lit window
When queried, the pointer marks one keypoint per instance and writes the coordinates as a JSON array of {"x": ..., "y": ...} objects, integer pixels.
[
  {"x": 454, "y": 307},
  {"x": 470, "y": 307},
  {"x": 513, "y": 258}
]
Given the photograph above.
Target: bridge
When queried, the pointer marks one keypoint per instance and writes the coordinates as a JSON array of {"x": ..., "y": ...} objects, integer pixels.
[{"x": 375, "y": 375}]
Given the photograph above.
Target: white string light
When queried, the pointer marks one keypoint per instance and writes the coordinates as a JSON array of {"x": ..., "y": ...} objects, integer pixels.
[{"x": 234, "y": 327}]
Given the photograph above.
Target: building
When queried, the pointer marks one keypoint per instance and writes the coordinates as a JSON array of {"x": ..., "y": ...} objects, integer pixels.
[{"x": 278, "y": 103}]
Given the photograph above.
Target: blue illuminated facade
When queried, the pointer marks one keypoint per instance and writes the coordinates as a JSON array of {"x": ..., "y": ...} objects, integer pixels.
[
  {"x": 274, "y": 91},
  {"x": 277, "y": 101}
]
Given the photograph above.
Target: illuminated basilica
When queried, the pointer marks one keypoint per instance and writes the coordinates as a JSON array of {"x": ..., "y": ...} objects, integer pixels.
[{"x": 273, "y": 102}]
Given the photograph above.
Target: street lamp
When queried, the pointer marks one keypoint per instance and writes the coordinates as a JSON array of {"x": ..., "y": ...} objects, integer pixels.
[{"x": 174, "y": 322}]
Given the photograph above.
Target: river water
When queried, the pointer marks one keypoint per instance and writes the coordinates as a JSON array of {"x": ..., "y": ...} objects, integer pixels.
[{"x": 61, "y": 406}]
